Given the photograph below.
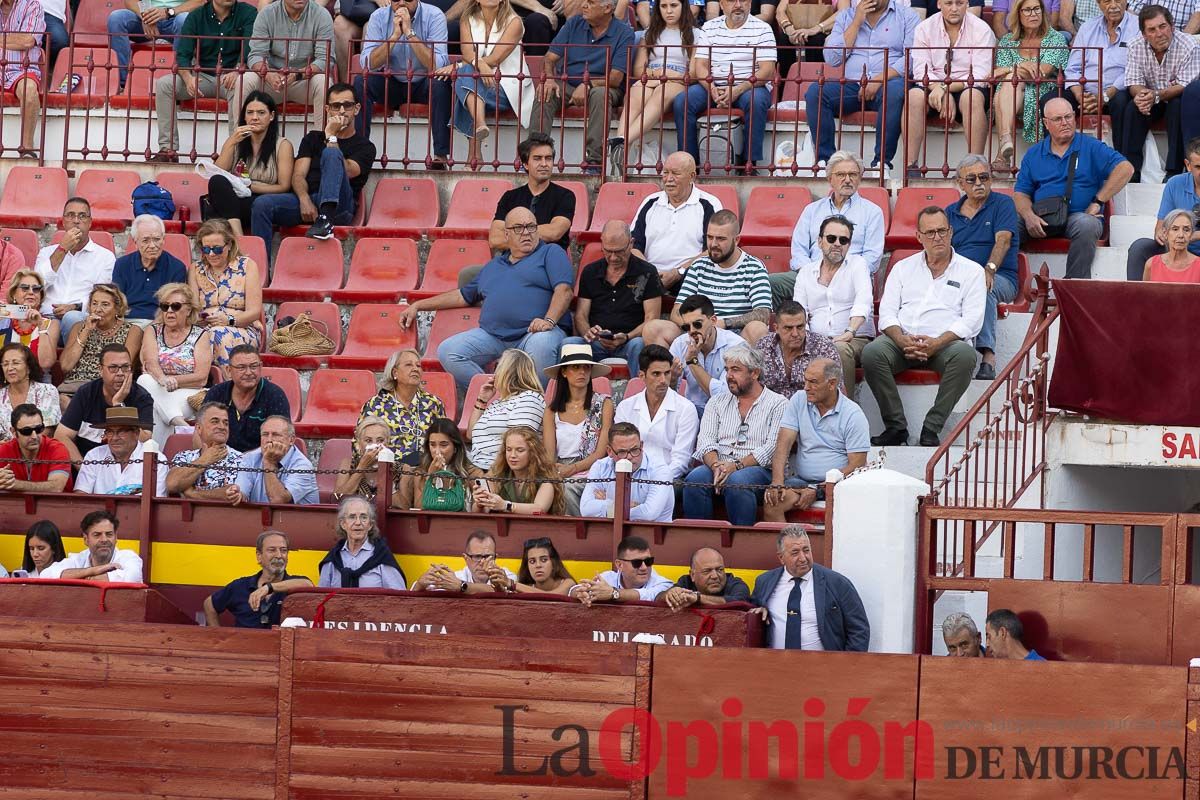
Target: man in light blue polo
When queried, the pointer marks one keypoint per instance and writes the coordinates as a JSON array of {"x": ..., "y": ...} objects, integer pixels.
[
  {"x": 698, "y": 356},
  {"x": 1181, "y": 191},
  {"x": 832, "y": 432},
  {"x": 269, "y": 474}
]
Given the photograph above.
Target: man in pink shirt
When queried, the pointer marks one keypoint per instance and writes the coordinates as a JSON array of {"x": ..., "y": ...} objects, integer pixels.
[
  {"x": 952, "y": 56},
  {"x": 23, "y": 26}
]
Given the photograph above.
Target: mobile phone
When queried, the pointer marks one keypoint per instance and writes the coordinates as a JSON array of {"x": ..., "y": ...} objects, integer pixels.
[
  {"x": 606, "y": 335},
  {"x": 481, "y": 485},
  {"x": 16, "y": 311}
]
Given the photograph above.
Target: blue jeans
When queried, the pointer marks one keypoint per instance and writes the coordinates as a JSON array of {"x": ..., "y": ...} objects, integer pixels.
[
  {"x": 393, "y": 93},
  {"x": 125, "y": 28},
  {"x": 631, "y": 351},
  {"x": 741, "y": 505},
  {"x": 270, "y": 210},
  {"x": 464, "y": 355},
  {"x": 57, "y": 40},
  {"x": 833, "y": 99},
  {"x": 468, "y": 83},
  {"x": 754, "y": 105},
  {"x": 1004, "y": 290}
]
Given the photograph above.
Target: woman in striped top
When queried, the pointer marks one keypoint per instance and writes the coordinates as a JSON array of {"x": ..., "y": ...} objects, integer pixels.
[{"x": 512, "y": 396}]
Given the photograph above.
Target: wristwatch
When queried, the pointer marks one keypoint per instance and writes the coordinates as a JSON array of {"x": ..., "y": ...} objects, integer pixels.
[
  {"x": 463, "y": 588},
  {"x": 331, "y": 140},
  {"x": 693, "y": 362},
  {"x": 171, "y": 13},
  {"x": 991, "y": 267},
  {"x": 616, "y": 595}
]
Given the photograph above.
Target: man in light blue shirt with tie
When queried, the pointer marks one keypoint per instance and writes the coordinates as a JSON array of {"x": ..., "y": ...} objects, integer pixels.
[
  {"x": 648, "y": 502},
  {"x": 404, "y": 42}
]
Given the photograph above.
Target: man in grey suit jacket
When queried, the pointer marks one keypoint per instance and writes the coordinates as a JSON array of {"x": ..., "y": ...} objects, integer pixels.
[{"x": 807, "y": 606}]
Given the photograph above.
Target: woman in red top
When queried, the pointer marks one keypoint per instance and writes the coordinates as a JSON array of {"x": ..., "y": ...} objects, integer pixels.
[{"x": 1178, "y": 264}]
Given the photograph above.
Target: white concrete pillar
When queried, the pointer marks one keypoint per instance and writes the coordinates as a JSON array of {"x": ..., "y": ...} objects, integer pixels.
[{"x": 875, "y": 546}]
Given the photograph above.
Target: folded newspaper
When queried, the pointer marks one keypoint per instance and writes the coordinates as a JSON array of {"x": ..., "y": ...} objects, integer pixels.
[{"x": 208, "y": 170}]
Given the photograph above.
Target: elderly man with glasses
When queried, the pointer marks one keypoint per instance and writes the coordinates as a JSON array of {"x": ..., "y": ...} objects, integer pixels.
[
  {"x": 139, "y": 275},
  {"x": 931, "y": 311},
  {"x": 479, "y": 557},
  {"x": 985, "y": 227}
]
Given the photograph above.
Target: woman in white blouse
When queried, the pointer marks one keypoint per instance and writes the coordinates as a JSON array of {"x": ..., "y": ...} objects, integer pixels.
[
  {"x": 512, "y": 396},
  {"x": 836, "y": 292}
]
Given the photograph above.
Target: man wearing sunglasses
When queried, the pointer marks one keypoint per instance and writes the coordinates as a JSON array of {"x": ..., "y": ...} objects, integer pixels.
[
  {"x": 141, "y": 274},
  {"x": 479, "y": 553},
  {"x": 985, "y": 227},
  {"x": 648, "y": 502},
  {"x": 70, "y": 268},
  {"x": 31, "y": 461},
  {"x": 698, "y": 354},
  {"x": 632, "y": 577}
]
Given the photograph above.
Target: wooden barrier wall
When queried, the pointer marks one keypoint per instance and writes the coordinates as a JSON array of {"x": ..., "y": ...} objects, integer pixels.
[{"x": 129, "y": 711}]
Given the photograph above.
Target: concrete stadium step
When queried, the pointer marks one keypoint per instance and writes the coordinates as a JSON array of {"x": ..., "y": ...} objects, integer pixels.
[
  {"x": 1125, "y": 229},
  {"x": 1138, "y": 198}
]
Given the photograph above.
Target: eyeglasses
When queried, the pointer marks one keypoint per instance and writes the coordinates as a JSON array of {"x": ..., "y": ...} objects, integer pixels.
[
  {"x": 344, "y": 105},
  {"x": 982, "y": 177},
  {"x": 120, "y": 368},
  {"x": 696, "y": 324},
  {"x": 31, "y": 430},
  {"x": 171, "y": 306},
  {"x": 936, "y": 233},
  {"x": 637, "y": 563},
  {"x": 743, "y": 434},
  {"x": 1060, "y": 119},
  {"x": 29, "y": 287},
  {"x": 829, "y": 237},
  {"x": 77, "y": 216},
  {"x": 616, "y": 253},
  {"x": 215, "y": 250},
  {"x": 1032, "y": 11},
  {"x": 245, "y": 367},
  {"x": 479, "y": 559},
  {"x": 522, "y": 229},
  {"x": 541, "y": 541},
  {"x": 632, "y": 452}
]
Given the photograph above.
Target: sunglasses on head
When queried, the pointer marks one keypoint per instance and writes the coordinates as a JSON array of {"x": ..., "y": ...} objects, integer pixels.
[
  {"x": 30, "y": 430},
  {"x": 215, "y": 250},
  {"x": 637, "y": 563},
  {"x": 832, "y": 239},
  {"x": 172, "y": 306}
]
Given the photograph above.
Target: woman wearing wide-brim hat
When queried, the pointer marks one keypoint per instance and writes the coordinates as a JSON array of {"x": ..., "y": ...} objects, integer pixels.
[{"x": 578, "y": 418}]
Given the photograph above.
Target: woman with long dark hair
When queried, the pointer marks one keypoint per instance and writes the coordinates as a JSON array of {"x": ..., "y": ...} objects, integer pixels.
[
  {"x": 43, "y": 547},
  {"x": 575, "y": 429},
  {"x": 542, "y": 571},
  {"x": 442, "y": 482},
  {"x": 257, "y": 154}
]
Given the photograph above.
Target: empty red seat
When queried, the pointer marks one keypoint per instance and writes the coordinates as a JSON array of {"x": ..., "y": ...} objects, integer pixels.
[
  {"x": 176, "y": 444},
  {"x": 335, "y": 397},
  {"x": 110, "y": 191},
  {"x": 102, "y": 238},
  {"x": 616, "y": 201},
  {"x": 24, "y": 240},
  {"x": 89, "y": 27},
  {"x": 441, "y": 384},
  {"x": 771, "y": 214},
  {"x": 470, "y": 399},
  {"x": 446, "y": 323},
  {"x": 472, "y": 208},
  {"x": 333, "y": 454},
  {"x": 774, "y": 258},
  {"x": 1024, "y": 298},
  {"x": 902, "y": 232},
  {"x": 33, "y": 196},
  {"x": 329, "y": 321},
  {"x": 287, "y": 379},
  {"x": 800, "y": 76},
  {"x": 880, "y": 197},
  {"x": 253, "y": 248},
  {"x": 724, "y": 192},
  {"x": 305, "y": 269},
  {"x": 402, "y": 207},
  {"x": 374, "y": 334},
  {"x": 176, "y": 244},
  {"x": 634, "y": 386},
  {"x": 186, "y": 188},
  {"x": 381, "y": 271},
  {"x": 579, "y": 222},
  {"x": 96, "y": 68},
  {"x": 146, "y": 67},
  {"x": 446, "y": 259}
]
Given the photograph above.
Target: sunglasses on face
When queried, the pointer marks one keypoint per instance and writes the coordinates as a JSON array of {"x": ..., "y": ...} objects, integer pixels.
[
  {"x": 31, "y": 430},
  {"x": 974, "y": 179},
  {"x": 215, "y": 250},
  {"x": 696, "y": 325},
  {"x": 843, "y": 240},
  {"x": 637, "y": 563},
  {"x": 29, "y": 287},
  {"x": 171, "y": 306},
  {"x": 344, "y": 105}
]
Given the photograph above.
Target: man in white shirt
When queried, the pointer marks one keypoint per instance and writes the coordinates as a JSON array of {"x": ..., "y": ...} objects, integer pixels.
[
  {"x": 648, "y": 502},
  {"x": 102, "y": 561},
  {"x": 72, "y": 267},
  {"x": 666, "y": 420},
  {"x": 479, "y": 553},
  {"x": 631, "y": 579},
  {"x": 115, "y": 467},
  {"x": 931, "y": 312},
  {"x": 669, "y": 226}
]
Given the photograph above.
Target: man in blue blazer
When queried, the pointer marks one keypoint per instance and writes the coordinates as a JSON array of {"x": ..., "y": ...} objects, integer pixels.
[{"x": 807, "y": 606}]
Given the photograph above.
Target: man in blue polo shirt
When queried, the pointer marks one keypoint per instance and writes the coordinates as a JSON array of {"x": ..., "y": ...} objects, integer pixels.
[
  {"x": 1100, "y": 173},
  {"x": 1006, "y": 637},
  {"x": 832, "y": 432},
  {"x": 985, "y": 225},
  {"x": 525, "y": 293},
  {"x": 590, "y": 44},
  {"x": 1181, "y": 191},
  {"x": 141, "y": 274},
  {"x": 256, "y": 600}
]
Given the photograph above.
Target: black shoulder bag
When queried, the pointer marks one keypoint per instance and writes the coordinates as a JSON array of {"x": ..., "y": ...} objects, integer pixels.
[{"x": 1055, "y": 210}]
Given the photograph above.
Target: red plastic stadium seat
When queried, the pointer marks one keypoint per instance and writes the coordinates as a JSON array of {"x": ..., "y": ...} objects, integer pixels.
[
  {"x": 469, "y": 400},
  {"x": 305, "y": 269},
  {"x": 24, "y": 240},
  {"x": 880, "y": 197},
  {"x": 441, "y": 384},
  {"x": 333, "y": 454},
  {"x": 446, "y": 259},
  {"x": 253, "y": 248},
  {"x": 374, "y": 334},
  {"x": 634, "y": 386},
  {"x": 381, "y": 271},
  {"x": 592, "y": 251},
  {"x": 1024, "y": 298},
  {"x": 402, "y": 207},
  {"x": 447, "y": 323},
  {"x": 472, "y": 207},
  {"x": 176, "y": 244},
  {"x": 616, "y": 201},
  {"x": 176, "y": 444},
  {"x": 335, "y": 397},
  {"x": 579, "y": 222},
  {"x": 110, "y": 193},
  {"x": 771, "y": 214},
  {"x": 33, "y": 196},
  {"x": 146, "y": 67},
  {"x": 101, "y": 238},
  {"x": 331, "y": 322},
  {"x": 799, "y": 77},
  {"x": 724, "y": 192},
  {"x": 902, "y": 232},
  {"x": 89, "y": 28},
  {"x": 98, "y": 78},
  {"x": 775, "y": 259},
  {"x": 287, "y": 379},
  {"x": 186, "y": 188}
]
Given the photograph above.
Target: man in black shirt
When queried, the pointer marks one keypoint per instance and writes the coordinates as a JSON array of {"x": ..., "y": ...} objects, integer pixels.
[
  {"x": 707, "y": 584},
  {"x": 250, "y": 398},
  {"x": 82, "y": 426},
  {"x": 618, "y": 294},
  {"x": 256, "y": 600},
  {"x": 326, "y": 182}
]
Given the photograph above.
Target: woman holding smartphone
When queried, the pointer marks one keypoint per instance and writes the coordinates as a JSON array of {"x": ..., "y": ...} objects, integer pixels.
[
  {"x": 43, "y": 547},
  {"x": 522, "y": 479},
  {"x": 542, "y": 571}
]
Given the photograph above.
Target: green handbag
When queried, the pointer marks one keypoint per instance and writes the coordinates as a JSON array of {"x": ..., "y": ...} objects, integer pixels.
[{"x": 444, "y": 491}]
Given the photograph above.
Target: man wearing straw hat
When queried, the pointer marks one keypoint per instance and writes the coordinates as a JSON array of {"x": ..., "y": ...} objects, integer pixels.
[{"x": 115, "y": 467}]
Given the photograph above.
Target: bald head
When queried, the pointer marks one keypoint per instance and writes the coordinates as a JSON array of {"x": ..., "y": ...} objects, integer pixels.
[
  {"x": 678, "y": 176},
  {"x": 1059, "y": 118},
  {"x": 520, "y": 229},
  {"x": 615, "y": 240},
  {"x": 708, "y": 571}
]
